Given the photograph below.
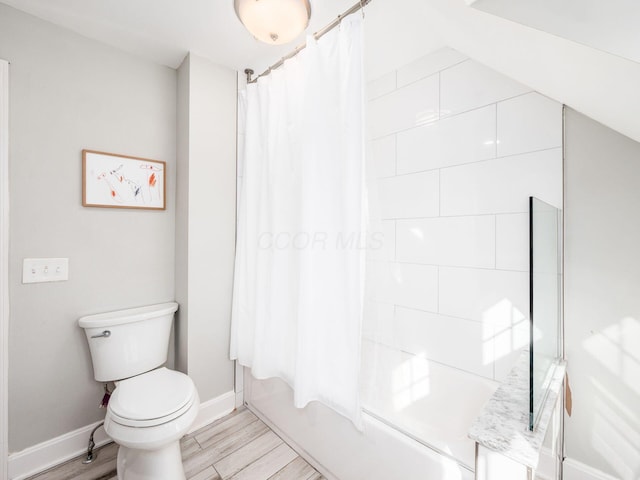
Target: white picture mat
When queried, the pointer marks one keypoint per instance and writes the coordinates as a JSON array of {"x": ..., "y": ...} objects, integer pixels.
[{"x": 120, "y": 181}]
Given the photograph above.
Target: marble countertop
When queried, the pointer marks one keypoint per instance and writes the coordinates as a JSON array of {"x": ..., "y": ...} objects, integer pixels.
[{"x": 503, "y": 425}]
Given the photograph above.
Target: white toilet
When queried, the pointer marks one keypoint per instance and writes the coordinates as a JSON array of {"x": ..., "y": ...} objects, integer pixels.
[{"x": 151, "y": 407}]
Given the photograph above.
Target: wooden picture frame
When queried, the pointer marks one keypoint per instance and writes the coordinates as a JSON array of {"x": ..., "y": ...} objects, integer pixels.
[{"x": 110, "y": 180}]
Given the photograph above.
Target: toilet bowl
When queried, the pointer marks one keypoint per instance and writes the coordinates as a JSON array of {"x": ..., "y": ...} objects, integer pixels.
[
  {"x": 147, "y": 415},
  {"x": 152, "y": 407}
]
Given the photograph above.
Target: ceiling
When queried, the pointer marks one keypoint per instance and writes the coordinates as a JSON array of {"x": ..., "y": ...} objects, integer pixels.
[
  {"x": 608, "y": 25},
  {"x": 164, "y": 31},
  {"x": 598, "y": 84}
]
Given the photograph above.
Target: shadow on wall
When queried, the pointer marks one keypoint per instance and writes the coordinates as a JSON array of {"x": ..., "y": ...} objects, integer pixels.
[
  {"x": 400, "y": 343},
  {"x": 613, "y": 360},
  {"x": 411, "y": 382},
  {"x": 506, "y": 330}
]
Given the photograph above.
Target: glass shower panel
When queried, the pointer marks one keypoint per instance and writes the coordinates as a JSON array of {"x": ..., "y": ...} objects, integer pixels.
[{"x": 545, "y": 305}]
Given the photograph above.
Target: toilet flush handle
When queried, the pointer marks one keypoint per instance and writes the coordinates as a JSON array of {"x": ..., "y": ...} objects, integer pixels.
[{"x": 105, "y": 334}]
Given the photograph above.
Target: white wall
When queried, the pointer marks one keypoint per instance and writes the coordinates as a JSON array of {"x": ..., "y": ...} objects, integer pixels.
[
  {"x": 613, "y": 28},
  {"x": 205, "y": 223},
  {"x": 457, "y": 149},
  {"x": 602, "y": 305},
  {"x": 69, "y": 93},
  {"x": 601, "y": 85},
  {"x": 4, "y": 264}
]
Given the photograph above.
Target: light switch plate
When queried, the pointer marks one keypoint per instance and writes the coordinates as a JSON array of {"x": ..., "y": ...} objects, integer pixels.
[{"x": 37, "y": 270}]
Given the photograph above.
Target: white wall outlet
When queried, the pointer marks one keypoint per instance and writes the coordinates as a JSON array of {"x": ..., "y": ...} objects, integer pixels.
[{"x": 37, "y": 270}]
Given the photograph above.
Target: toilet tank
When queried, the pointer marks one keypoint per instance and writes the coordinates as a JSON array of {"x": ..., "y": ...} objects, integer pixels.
[{"x": 128, "y": 342}]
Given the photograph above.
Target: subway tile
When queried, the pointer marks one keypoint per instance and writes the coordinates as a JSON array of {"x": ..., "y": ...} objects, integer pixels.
[
  {"x": 412, "y": 385},
  {"x": 379, "y": 381},
  {"x": 452, "y": 241},
  {"x": 428, "y": 65},
  {"x": 407, "y": 196},
  {"x": 502, "y": 185},
  {"x": 375, "y": 277},
  {"x": 464, "y": 344},
  {"x": 382, "y": 158},
  {"x": 378, "y": 321},
  {"x": 381, "y": 86},
  {"x": 494, "y": 297},
  {"x": 388, "y": 249},
  {"x": 510, "y": 338},
  {"x": 512, "y": 242},
  {"x": 409, "y": 285},
  {"x": 528, "y": 123},
  {"x": 382, "y": 241},
  {"x": 471, "y": 85},
  {"x": 464, "y": 138},
  {"x": 407, "y": 107}
]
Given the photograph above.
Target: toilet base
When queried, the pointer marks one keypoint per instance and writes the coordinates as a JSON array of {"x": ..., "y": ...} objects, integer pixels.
[{"x": 162, "y": 464}]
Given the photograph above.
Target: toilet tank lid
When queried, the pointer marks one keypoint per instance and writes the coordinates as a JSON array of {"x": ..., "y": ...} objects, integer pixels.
[{"x": 130, "y": 315}]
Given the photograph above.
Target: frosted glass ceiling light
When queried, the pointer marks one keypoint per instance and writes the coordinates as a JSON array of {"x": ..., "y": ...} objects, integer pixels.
[{"x": 274, "y": 21}]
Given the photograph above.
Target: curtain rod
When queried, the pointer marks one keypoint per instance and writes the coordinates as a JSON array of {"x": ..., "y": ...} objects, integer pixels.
[{"x": 358, "y": 6}]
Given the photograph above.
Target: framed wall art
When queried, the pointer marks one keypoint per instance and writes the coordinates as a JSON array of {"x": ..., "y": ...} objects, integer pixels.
[{"x": 120, "y": 181}]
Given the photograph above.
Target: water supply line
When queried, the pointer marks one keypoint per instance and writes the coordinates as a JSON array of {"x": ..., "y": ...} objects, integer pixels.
[
  {"x": 90, "y": 455},
  {"x": 103, "y": 404}
]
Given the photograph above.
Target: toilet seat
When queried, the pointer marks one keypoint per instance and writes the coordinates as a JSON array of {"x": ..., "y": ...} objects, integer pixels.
[{"x": 152, "y": 399}]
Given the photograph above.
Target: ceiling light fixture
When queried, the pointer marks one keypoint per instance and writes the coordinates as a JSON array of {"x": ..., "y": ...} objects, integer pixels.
[{"x": 274, "y": 21}]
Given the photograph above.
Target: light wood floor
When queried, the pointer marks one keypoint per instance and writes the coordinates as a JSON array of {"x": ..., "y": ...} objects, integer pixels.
[{"x": 236, "y": 447}]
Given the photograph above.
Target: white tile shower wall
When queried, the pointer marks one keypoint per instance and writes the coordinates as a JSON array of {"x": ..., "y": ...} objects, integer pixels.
[
  {"x": 456, "y": 241},
  {"x": 470, "y": 85},
  {"x": 407, "y": 107},
  {"x": 539, "y": 129},
  {"x": 383, "y": 157},
  {"x": 438, "y": 144},
  {"x": 407, "y": 196},
  {"x": 428, "y": 65},
  {"x": 502, "y": 185},
  {"x": 456, "y": 149}
]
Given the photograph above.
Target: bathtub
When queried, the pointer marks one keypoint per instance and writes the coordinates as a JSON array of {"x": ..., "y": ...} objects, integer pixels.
[{"x": 432, "y": 446}]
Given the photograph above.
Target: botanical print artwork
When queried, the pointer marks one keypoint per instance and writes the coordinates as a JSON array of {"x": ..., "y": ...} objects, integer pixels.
[{"x": 120, "y": 181}]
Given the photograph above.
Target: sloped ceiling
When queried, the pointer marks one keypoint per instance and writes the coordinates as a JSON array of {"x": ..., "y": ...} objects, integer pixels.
[
  {"x": 598, "y": 84},
  {"x": 608, "y": 25}
]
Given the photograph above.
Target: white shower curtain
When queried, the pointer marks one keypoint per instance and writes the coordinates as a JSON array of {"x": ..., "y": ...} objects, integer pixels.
[{"x": 299, "y": 274}]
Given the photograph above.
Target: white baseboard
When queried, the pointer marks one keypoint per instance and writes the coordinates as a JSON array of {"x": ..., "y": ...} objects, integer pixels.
[
  {"x": 214, "y": 409},
  {"x": 574, "y": 470},
  {"x": 47, "y": 454}
]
